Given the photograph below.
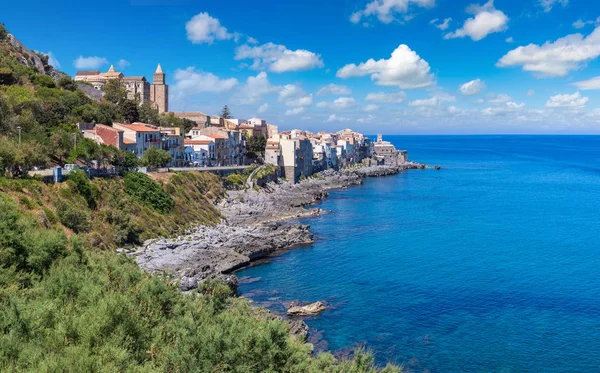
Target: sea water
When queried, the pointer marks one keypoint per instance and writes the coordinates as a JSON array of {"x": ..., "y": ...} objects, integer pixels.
[{"x": 491, "y": 264}]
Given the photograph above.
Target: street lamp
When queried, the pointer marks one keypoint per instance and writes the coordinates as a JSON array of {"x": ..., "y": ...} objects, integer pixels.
[{"x": 19, "y": 129}]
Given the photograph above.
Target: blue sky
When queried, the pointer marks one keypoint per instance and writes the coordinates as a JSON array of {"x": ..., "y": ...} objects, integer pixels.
[{"x": 391, "y": 66}]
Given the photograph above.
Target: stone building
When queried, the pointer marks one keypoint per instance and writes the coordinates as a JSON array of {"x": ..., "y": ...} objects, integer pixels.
[
  {"x": 387, "y": 152},
  {"x": 138, "y": 88}
]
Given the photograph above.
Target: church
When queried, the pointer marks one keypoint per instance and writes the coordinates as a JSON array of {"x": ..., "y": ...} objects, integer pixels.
[{"x": 138, "y": 88}]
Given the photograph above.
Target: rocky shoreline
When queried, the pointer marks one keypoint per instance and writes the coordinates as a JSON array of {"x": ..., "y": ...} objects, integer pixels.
[{"x": 252, "y": 228}]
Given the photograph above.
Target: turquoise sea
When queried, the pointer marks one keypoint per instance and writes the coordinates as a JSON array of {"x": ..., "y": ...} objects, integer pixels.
[{"x": 490, "y": 265}]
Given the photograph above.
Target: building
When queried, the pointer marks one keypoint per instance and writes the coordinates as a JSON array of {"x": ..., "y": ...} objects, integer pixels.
[
  {"x": 202, "y": 120},
  {"x": 159, "y": 91},
  {"x": 141, "y": 136},
  {"x": 105, "y": 135},
  {"x": 386, "y": 151},
  {"x": 199, "y": 152},
  {"x": 172, "y": 141},
  {"x": 138, "y": 88},
  {"x": 296, "y": 157}
]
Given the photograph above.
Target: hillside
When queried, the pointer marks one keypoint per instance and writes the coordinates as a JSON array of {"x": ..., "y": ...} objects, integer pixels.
[{"x": 68, "y": 302}]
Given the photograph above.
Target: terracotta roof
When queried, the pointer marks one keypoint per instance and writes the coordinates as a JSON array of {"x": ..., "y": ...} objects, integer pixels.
[
  {"x": 217, "y": 136},
  {"x": 128, "y": 142},
  {"x": 245, "y": 127},
  {"x": 197, "y": 142},
  {"x": 88, "y": 72},
  {"x": 139, "y": 127}
]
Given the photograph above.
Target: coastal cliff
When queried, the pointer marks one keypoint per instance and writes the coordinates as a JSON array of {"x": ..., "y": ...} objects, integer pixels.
[{"x": 252, "y": 228}]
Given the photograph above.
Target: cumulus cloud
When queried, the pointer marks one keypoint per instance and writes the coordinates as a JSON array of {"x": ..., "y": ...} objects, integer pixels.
[
  {"x": 335, "y": 118},
  {"x": 341, "y": 103},
  {"x": 503, "y": 109},
  {"x": 89, "y": 62},
  {"x": 572, "y": 101},
  {"x": 278, "y": 58},
  {"x": 385, "y": 10},
  {"x": 52, "y": 60},
  {"x": 189, "y": 82},
  {"x": 334, "y": 89},
  {"x": 509, "y": 40},
  {"x": 367, "y": 119},
  {"x": 444, "y": 25},
  {"x": 203, "y": 28},
  {"x": 487, "y": 20},
  {"x": 473, "y": 87},
  {"x": 264, "y": 107},
  {"x": 371, "y": 107},
  {"x": 395, "y": 97},
  {"x": 588, "y": 85},
  {"x": 498, "y": 98},
  {"x": 404, "y": 69},
  {"x": 479, "y": 101},
  {"x": 255, "y": 88},
  {"x": 555, "y": 58},
  {"x": 295, "y": 111},
  {"x": 434, "y": 101},
  {"x": 123, "y": 64},
  {"x": 548, "y": 4},
  {"x": 293, "y": 95}
]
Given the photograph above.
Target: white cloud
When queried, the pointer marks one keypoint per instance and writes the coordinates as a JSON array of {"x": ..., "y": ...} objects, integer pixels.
[
  {"x": 278, "y": 58},
  {"x": 293, "y": 95},
  {"x": 251, "y": 40},
  {"x": 52, "y": 60},
  {"x": 503, "y": 109},
  {"x": 335, "y": 118},
  {"x": 123, "y": 64},
  {"x": 341, "y": 103},
  {"x": 510, "y": 40},
  {"x": 203, "y": 28},
  {"x": 548, "y": 4},
  {"x": 530, "y": 92},
  {"x": 384, "y": 9},
  {"x": 295, "y": 111},
  {"x": 395, "y": 97},
  {"x": 499, "y": 98},
  {"x": 264, "y": 107},
  {"x": 367, "y": 119},
  {"x": 189, "y": 82},
  {"x": 443, "y": 25},
  {"x": 89, "y": 62},
  {"x": 479, "y": 101},
  {"x": 486, "y": 20},
  {"x": 573, "y": 101},
  {"x": 588, "y": 85},
  {"x": 555, "y": 58},
  {"x": 404, "y": 69},
  {"x": 255, "y": 88},
  {"x": 473, "y": 87},
  {"x": 434, "y": 101},
  {"x": 371, "y": 107},
  {"x": 580, "y": 24},
  {"x": 334, "y": 89}
]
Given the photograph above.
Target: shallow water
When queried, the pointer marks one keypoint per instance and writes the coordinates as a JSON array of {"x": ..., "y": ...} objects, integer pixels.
[{"x": 489, "y": 265}]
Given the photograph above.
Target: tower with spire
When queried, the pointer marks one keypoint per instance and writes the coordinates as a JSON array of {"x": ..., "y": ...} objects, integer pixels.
[{"x": 159, "y": 91}]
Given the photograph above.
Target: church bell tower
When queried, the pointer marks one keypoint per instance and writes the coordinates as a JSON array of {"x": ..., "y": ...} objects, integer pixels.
[{"x": 159, "y": 91}]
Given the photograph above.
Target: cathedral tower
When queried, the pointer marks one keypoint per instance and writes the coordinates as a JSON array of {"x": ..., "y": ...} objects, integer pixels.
[{"x": 159, "y": 91}]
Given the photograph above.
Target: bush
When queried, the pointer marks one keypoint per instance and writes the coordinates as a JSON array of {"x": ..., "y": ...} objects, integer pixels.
[
  {"x": 3, "y": 32},
  {"x": 75, "y": 217},
  {"x": 148, "y": 192},
  {"x": 154, "y": 157},
  {"x": 79, "y": 181},
  {"x": 42, "y": 80}
]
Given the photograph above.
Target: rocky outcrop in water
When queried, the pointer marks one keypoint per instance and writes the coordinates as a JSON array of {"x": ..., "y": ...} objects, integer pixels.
[{"x": 307, "y": 310}]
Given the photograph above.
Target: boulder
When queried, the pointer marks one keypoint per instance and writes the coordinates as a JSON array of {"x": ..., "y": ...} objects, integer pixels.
[{"x": 307, "y": 310}]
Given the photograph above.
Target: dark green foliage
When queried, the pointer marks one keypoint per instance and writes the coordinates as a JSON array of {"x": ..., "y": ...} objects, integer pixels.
[
  {"x": 44, "y": 81},
  {"x": 125, "y": 161},
  {"x": 170, "y": 120},
  {"x": 255, "y": 146},
  {"x": 128, "y": 111},
  {"x": 148, "y": 113},
  {"x": 148, "y": 192},
  {"x": 65, "y": 82},
  {"x": 114, "y": 91},
  {"x": 74, "y": 216},
  {"x": 79, "y": 181},
  {"x": 225, "y": 113},
  {"x": 3, "y": 33},
  {"x": 154, "y": 157},
  {"x": 6, "y": 76}
]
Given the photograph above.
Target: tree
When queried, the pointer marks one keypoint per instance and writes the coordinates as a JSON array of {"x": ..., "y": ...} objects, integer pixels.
[
  {"x": 129, "y": 111},
  {"x": 225, "y": 113},
  {"x": 126, "y": 161},
  {"x": 65, "y": 82},
  {"x": 3, "y": 32},
  {"x": 255, "y": 146},
  {"x": 148, "y": 113},
  {"x": 114, "y": 91},
  {"x": 154, "y": 157}
]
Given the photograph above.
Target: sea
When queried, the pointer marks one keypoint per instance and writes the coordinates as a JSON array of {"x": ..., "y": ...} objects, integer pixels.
[{"x": 491, "y": 264}]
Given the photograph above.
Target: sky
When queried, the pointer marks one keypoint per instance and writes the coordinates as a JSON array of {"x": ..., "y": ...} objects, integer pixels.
[{"x": 388, "y": 66}]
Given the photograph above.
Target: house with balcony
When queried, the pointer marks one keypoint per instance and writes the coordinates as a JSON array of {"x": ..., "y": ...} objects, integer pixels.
[
  {"x": 199, "y": 152},
  {"x": 139, "y": 137}
]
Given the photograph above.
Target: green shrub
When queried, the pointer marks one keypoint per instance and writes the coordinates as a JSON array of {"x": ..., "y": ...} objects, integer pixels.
[
  {"x": 50, "y": 215},
  {"x": 148, "y": 192},
  {"x": 79, "y": 181},
  {"x": 75, "y": 217},
  {"x": 27, "y": 202},
  {"x": 42, "y": 80}
]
